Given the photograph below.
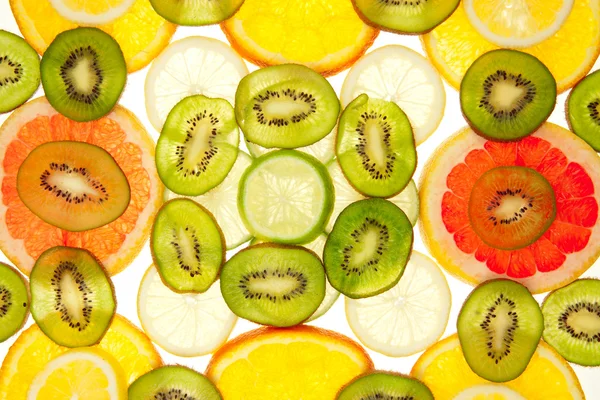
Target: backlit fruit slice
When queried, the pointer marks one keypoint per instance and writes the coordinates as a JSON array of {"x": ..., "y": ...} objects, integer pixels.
[
  {"x": 141, "y": 33},
  {"x": 568, "y": 247},
  {"x": 489, "y": 392},
  {"x": 455, "y": 44},
  {"x": 294, "y": 359},
  {"x": 23, "y": 236},
  {"x": 444, "y": 370},
  {"x": 187, "y": 325},
  {"x": 409, "y": 317},
  {"x": 194, "y": 65},
  {"x": 583, "y": 110},
  {"x": 87, "y": 373},
  {"x": 286, "y": 197},
  {"x": 403, "y": 76},
  {"x": 196, "y": 12},
  {"x": 33, "y": 350},
  {"x": 173, "y": 382},
  {"x": 75, "y": 186},
  {"x": 198, "y": 145},
  {"x": 325, "y": 35},
  {"x": 91, "y": 12},
  {"x": 221, "y": 201},
  {"x": 14, "y": 301},
  {"x": 522, "y": 23},
  {"x": 384, "y": 385}
]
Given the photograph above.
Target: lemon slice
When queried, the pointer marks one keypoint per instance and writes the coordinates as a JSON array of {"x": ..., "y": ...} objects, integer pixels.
[
  {"x": 91, "y": 12},
  {"x": 194, "y": 65},
  {"x": 86, "y": 373},
  {"x": 187, "y": 325},
  {"x": 409, "y": 317},
  {"x": 489, "y": 392},
  {"x": 399, "y": 74},
  {"x": 517, "y": 23}
]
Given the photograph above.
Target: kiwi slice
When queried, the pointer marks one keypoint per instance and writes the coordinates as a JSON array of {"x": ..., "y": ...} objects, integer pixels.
[
  {"x": 499, "y": 328},
  {"x": 511, "y": 207},
  {"x": 198, "y": 145},
  {"x": 14, "y": 301},
  {"x": 75, "y": 186},
  {"x": 572, "y": 321},
  {"x": 83, "y": 73},
  {"x": 405, "y": 16},
  {"x": 583, "y": 110},
  {"x": 187, "y": 245},
  {"x": 368, "y": 248},
  {"x": 507, "y": 94},
  {"x": 196, "y": 12},
  {"x": 381, "y": 385},
  {"x": 173, "y": 382},
  {"x": 19, "y": 71},
  {"x": 273, "y": 284},
  {"x": 286, "y": 106},
  {"x": 72, "y": 298},
  {"x": 376, "y": 147}
]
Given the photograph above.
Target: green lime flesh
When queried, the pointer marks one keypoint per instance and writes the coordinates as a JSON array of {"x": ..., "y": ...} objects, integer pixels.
[
  {"x": 14, "y": 301},
  {"x": 173, "y": 382}
]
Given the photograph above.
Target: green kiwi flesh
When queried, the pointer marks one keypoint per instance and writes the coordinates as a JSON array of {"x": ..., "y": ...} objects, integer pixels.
[
  {"x": 583, "y": 110},
  {"x": 405, "y": 16},
  {"x": 19, "y": 71},
  {"x": 173, "y": 382},
  {"x": 83, "y": 73},
  {"x": 376, "y": 147},
  {"x": 72, "y": 298},
  {"x": 198, "y": 145},
  {"x": 196, "y": 12},
  {"x": 286, "y": 106},
  {"x": 273, "y": 284},
  {"x": 572, "y": 321},
  {"x": 14, "y": 301},
  {"x": 187, "y": 245},
  {"x": 381, "y": 385},
  {"x": 507, "y": 94},
  {"x": 368, "y": 248},
  {"x": 499, "y": 328}
]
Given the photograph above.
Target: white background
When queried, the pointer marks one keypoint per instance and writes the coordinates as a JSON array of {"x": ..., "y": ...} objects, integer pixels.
[{"x": 127, "y": 282}]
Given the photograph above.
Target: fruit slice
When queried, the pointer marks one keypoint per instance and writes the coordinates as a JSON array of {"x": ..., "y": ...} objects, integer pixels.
[
  {"x": 523, "y": 23},
  {"x": 91, "y": 12},
  {"x": 83, "y": 373},
  {"x": 187, "y": 325},
  {"x": 19, "y": 71},
  {"x": 409, "y": 317},
  {"x": 286, "y": 197},
  {"x": 325, "y": 35},
  {"x": 33, "y": 350},
  {"x": 74, "y": 186},
  {"x": 173, "y": 382},
  {"x": 368, "y": 248},
  {"x": 286, "y": 106},
  {"x": 444, "y": 370},
  {"x": 221, "y": 201},
  {"x": 583, "y": 110},
  {"x": 141, "y": 33},
  {"x": 384, "y": 385},
  {"x": 572, "y": 321},
  {"x": 569, "y": 246},
  {"x": 499, "y": 327},
  {"x": 489, "y": 392},
  {"x": 273, "y": 284},
  {"x": 375, "y": 147},
  {"x": 14, "y": 301},
  {"x": 403, "y": 76},
  {"x": 196, "y": 12},
  {"x": 23, "y": 236},
  {"x": 194, "y": 65},
  {"x": 198, "y": 145},
  {"x": 455, "y": 44},
  {"x": 272, "y": 363}
]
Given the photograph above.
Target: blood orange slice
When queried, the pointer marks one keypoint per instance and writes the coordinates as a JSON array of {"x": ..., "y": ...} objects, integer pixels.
[
  {"x": 24, "y": 236},
  {"x": 568, "y": 247}
]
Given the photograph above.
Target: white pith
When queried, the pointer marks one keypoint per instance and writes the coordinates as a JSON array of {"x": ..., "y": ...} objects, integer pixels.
[
  {"x": 73, "y": 183},
  {"x": 505, "y": 95},
  {"x": 584, "y": 321},
  {"x": 86, "y": 18},
  {"x": 71, "y": 296}
]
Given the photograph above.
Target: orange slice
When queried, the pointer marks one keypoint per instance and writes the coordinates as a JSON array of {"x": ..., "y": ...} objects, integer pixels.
[{"x": 24, "y": 236}]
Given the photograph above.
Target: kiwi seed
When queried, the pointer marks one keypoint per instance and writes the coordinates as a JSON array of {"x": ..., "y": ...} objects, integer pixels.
[{"x": 583, "y": 109}]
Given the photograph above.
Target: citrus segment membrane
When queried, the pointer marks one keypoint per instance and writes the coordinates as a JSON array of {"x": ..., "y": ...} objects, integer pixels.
[
  {"x": 173, "y": 382},
  {"x": 583, "y": 110},
  {"x": 196, "y": 12},
  {"x": 14, "y": 301},
  {"x": 91, "y": 12}
]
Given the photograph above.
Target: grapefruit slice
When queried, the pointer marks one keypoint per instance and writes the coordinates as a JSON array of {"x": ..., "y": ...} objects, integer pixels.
[
  {"x": 24, "y": 236},
  {"x": 569, "y": 246}
]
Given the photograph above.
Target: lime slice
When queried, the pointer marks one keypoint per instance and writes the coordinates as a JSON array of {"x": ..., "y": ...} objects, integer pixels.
[
  {"x": 187, "y": 325},
  {"x": 409, "y": 317},
  {"x": 345, "y": 194},
  {"x": 286, "y": 196},
  {"x": 221, "y": 201}
]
